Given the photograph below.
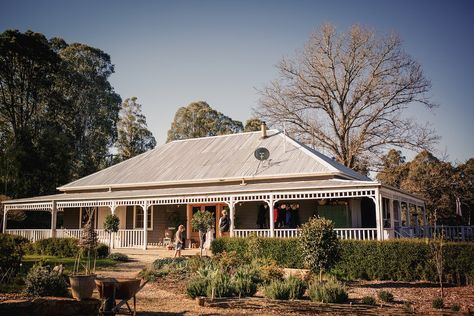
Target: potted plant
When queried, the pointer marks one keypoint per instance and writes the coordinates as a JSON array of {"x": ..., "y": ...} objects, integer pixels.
[
  {"x": 111, "y": 225},
  {"x": 83, "y": 278}
]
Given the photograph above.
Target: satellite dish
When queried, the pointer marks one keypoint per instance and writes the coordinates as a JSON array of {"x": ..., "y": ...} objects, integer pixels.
[{"x": 261, "y": 153}]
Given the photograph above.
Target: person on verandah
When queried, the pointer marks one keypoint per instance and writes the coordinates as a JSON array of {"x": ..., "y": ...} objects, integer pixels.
[{"x": 224, "y": 223}]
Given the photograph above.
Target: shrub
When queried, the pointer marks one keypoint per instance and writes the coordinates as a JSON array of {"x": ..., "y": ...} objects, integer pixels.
[
  {"x": 117, "y": 256},
  {"x": 271, "y": 272},
  {"x": 11, "y": 252},
  {"x": 227, "y": 261},
  {"x": 197, "y": 262},
  {"x": 197, "y": 287},
  {"x": 368, "y": 300},
  {"x": 59, "y": 247},
  {"x": 455, "y": 307},
  {"x": 244, "y": 282},
  {"x": 331, "y": 291},
  {"x": 438, "y": 303},
  {"x": 41, "y": 281},
  {"x": 277, "y": 290},
  {"x": 319, "y": 245},
  {"x": 167, "y": 266},
  {"x": 385, "y": 296},
  {"x": 220, "y": 285},
  {"x": 297, "y": 287},
  {"x": 102, "y": 250}
]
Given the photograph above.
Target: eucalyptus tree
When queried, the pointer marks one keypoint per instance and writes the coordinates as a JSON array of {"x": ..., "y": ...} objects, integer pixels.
[
  {"x": 58, "y": 112},
  {"x": 133, "y": 135},
  {"x": 93, "y": 105},
  {"x": 252, "y": 125},
  {"x": 198, "y": 119},
  {"x": 347, "y": 92}
]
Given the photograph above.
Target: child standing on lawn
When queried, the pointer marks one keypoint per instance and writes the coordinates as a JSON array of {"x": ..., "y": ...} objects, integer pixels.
[{"x": 179, "y": 241}]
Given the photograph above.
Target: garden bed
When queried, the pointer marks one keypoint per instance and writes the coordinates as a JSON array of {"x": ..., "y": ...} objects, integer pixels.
[{"x": 168, "y": 295}]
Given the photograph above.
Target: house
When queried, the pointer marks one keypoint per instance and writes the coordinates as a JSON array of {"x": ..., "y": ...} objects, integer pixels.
[{"x": 156, "y": 191}]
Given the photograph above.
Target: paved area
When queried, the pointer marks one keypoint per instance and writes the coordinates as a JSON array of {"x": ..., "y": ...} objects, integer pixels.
[
  {"x": 139, "y": 259},
  {"x": 150, "y": 255}
]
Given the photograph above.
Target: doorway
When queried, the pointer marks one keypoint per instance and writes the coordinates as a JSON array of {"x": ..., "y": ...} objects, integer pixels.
[{"x": 215, "y": 209}]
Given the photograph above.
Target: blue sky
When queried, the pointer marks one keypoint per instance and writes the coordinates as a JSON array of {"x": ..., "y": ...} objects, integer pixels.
[{"x": 170, "y": 53}]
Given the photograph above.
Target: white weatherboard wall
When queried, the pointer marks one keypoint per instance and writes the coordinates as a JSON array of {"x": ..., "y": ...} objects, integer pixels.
[{"x": 103, "y": 212}]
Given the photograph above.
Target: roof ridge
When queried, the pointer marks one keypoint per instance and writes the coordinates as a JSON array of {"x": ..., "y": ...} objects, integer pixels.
[
  {"x": 328, "y": 162},
  {"x": 224, "y": 135}
]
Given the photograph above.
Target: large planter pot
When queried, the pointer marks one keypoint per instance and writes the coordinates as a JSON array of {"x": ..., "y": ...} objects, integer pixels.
[{"x": 82, "y": 286}]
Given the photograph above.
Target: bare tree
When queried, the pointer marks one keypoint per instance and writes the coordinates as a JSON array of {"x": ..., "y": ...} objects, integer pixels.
[{"x": 346, "y": 93}]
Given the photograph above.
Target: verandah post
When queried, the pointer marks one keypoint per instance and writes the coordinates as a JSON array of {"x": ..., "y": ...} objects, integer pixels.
[
  {"x": 4, "y": 226},
  {"x": 54, "y": 217},
  {"x": 378, "y": 214},
  {"x": 145, "y": 224},
  {"x": 232, "y": 212},
  {"x": 272, "y": 223}
]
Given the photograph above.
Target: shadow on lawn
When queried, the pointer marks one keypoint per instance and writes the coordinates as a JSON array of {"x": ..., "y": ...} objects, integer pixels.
[
  {"x": 161, "y": 314},
  {"x": 398, "y": 285}
]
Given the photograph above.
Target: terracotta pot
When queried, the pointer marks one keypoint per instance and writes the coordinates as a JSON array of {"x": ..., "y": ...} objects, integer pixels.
[{"x": 82, "y": 286}]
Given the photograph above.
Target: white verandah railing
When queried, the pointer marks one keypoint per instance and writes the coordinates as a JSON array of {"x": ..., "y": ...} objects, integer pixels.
[
  {"x": 342, "y": 233},
  {"x": 451, "y": 233},
  {"x": 31, "y": 234},
  {"x": 124, "y": 238}
]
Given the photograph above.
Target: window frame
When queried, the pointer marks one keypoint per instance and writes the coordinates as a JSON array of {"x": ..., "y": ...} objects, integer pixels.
[{"x": 150, "y": 212}]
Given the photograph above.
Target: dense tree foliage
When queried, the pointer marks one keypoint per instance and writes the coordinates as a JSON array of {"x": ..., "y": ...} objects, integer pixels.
[
  {"x": 438, "y": 182},
  {"x": 198, "y": 119},
  {"x": 58, "y": 112},
  {"x": 253, "y": 125},
  {"x": 133, "y": 135},
  {"x": 346, "y": 93}
]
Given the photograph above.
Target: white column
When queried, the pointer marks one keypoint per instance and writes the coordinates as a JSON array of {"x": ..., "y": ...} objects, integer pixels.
[
  {"x": 378, "y": 215},
  {"x": 4, "y": 227},
  {"x": 54, "y": 218},
  {"x": 112, "y": 210},
  {"x": 272, "y": 223},
  {"x": 232, "y": 216},
  {"x": 145, "y": 225}
]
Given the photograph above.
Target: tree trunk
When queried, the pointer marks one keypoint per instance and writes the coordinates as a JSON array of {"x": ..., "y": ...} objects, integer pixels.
[{"x": 201, "y": 242}]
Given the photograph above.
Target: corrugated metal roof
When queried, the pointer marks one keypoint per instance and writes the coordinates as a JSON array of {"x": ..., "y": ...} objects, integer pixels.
[
  {"x": 213, "y": 159},
  {"x": 200, "y": 190}
]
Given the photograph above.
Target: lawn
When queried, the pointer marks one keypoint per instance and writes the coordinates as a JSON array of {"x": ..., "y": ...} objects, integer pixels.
[{"x": 68, "y": 262}]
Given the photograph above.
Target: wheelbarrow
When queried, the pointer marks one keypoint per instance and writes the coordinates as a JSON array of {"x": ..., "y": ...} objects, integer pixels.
[{"x": 112, "y": 290}]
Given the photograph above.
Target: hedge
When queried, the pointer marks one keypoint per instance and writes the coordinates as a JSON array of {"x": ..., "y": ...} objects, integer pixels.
[
  {"x": 64, "y": 247},
  {"x": 12, "y": 249},
  {"x": 60, "y": 247},
  {"x": 399, "y": 260}
]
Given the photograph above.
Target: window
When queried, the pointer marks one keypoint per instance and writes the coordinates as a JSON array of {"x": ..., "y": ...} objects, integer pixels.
[
  {"x": 138, "y": 217},
  {"x": 404, "y": 214}
]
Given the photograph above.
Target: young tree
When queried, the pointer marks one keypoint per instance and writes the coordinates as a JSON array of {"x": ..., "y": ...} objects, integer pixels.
[
  {"x": 347, "y": 93},
  {"x": 198, "y": 119},
  {"x": 319, "y": 245},
  {"x": 134, "y": 137},
  {"x": 202, "y": 221},
  {"x": 111, "y": 225}
]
